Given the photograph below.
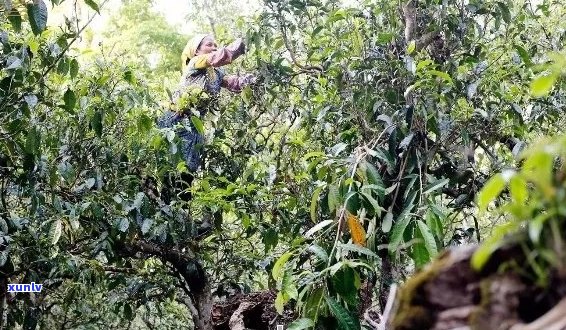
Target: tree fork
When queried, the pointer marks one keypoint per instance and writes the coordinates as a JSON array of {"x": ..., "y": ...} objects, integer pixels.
[{"x": 189, "y": 269}]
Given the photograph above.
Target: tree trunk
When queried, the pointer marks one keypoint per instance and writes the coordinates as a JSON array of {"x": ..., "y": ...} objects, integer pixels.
[
  {"x": 3, "y": 303},
  {"x": 386, "y": 278},
  {"x": 204, "y": 303}
]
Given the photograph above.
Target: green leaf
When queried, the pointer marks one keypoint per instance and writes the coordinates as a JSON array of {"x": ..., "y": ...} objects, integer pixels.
[
  {"x": 379, "y": 189},
  {"x": 270, "y": 238},
  {"x": 376, "y": 208},
  {"x": 332, "y": 197},
  {"x": 93, "y": 5},
  {"x": 318, "y": 227},
  {"x": 518, "y": 190},
  {"x": 372, "y": 175},
  {"x": 74, "y": 68},
  {"x": 113, "y": 284},
  {"x": 102, "y": 80},
  {"x": 33, "y": 142},
  {"x": 144, "y": 123},
  {"x": 138, "y": 201},
  {"x": 352, "y": 202},
  {"x": 397, "y": 233},
  {"x": 279, "y": 265},
  {"x": 197, "y": 123},
  {"x": 435, "y": 185},
  {"x": 542, "y": 85},
  {"x": 406, "y": 142},
  {"x": 3, "y": 226},
  {"x": 410, "y": 185},
  {"x": 313, "y": 154},
  {"x": 128, "y": 313},
  {"x": 96, "y": 123},
  {"x": 280, "y": 302},
  {"x": 288, "y": 285},
  {"x": 63, "y": 67},
  {"x": 419, "y": 252},
  {"x": 484, "y": 252},
  {"x": 37, "y": 15},
  {"x": 4, "y": 257},
  {"x": 428, "y": 237},
  {"x": 15, "y": 19},
  {"x": 442, "y": 75},
  {"x": 55, "y": 231},
  {"x": 345, "y": 320},
  {"x": 387, "y": 222},
  {"x": 314, "y": 201},
  {"x": 312, "y": 303},
  {"x": 146, "y": 225},
  {"x": 247, "y": 95},
  {"x": 391, "y": 189},
  {"x": 301, "y": 324},
  {"x": 536, "y": 225},
  {"x": 70, "y": 100},
  {"x": 434, "y": 222},
  {"x": 538, "y": 169},
  {"x": 411, "y": 47},
  {"x": 490, "y": 191},
  {"x": 123, "y": 225},
  {"x": 89, "y": 183},
  {"x": 358, "y": 249},
  {"x": 343, "y": 283},
  {"x": 524, "y": 55},
  {"x": 505, "y": 14},
  {"x": 129, "y": 77},
  {"x": 319, "y": 252}
]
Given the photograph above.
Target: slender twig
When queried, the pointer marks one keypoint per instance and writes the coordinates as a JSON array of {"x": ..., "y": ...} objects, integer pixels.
[
  {"x": 66, "y": 48},
  {"x": 307, "y": 68},
  {"x": 370, "y": 321},
  {"x": 477, "y": 225},
  {"x": 491, "y": 155},
  {"x": 388, "y": 308}
]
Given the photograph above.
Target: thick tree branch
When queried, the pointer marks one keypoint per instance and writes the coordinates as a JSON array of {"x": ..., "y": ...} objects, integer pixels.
[
  {"x": 185, "y": 265},
  {"x": 410, "y": 18},
  {"x": 425, "y": 40}
]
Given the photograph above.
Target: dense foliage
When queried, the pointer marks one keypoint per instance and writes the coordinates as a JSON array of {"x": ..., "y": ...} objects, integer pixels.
[{"x": 354, "y": 162}]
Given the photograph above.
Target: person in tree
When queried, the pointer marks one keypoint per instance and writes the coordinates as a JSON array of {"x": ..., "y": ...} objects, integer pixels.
[{"x": 200, "y": 85}]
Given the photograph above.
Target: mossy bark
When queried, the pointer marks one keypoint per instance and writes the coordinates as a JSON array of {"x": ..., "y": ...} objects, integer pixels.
[{"x": 449, "y": 294}]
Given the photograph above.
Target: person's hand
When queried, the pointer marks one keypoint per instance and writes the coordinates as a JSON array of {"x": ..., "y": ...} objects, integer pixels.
[
  {"x": 249, "y": 79},
  {"x": 237, "y": 47},
  {"x": 241, "y": 45}
]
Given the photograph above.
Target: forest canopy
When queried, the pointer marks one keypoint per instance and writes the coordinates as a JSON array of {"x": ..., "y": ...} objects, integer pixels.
[{"x": 376, "y": 135}]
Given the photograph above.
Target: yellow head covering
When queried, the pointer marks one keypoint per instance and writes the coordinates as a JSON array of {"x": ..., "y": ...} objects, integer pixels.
[{"x": 191, "y": 48}]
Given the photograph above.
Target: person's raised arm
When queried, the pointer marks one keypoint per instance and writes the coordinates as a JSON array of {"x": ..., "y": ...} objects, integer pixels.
[
  {"x": 220, "y": 57},
  {"x": 235, "y": 83}
]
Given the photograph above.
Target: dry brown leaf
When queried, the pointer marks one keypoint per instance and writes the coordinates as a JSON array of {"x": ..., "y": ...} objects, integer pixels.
[{"x": 356, "y": 229}]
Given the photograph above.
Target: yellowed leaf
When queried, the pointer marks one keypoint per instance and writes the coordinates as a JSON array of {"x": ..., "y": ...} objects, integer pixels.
[{"x": 356, "y": 229}]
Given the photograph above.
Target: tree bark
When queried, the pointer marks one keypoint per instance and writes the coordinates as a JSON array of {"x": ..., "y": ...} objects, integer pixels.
[
  {"x": 448, "y": 295},
  {"x": 3, "y": 302},
  {"x": 187, "y": 267}
]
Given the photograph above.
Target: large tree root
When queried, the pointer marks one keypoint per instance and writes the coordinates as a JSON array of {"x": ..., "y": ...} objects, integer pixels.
[
  {"x": 253, "y": 311},
  {"x": 450, "y": 295}
]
